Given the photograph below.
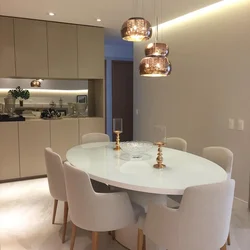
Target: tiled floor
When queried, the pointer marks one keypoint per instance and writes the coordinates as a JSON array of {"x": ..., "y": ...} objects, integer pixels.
[{"x": 25, "y": 221}]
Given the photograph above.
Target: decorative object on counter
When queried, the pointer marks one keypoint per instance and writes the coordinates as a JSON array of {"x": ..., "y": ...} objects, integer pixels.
[
  {"x": 1, "y": 108},
  {"x": 52, "y": 104},
  {"x": 50, "y": 114},
  {"x": 36, "y": 83},
  {"x": 81, "y": 109},
  {"x": 72, "y": 109},
  {"x": 159, "y": 158},
  {"x": 117, "y": 129},
  {"x": 60, "y": 102},
  {"x": 10, "y": 102},
  {"x": 20, "y": 94},
  {"x": 82, "y": 98},
  {"x": 136, "y": 149}
]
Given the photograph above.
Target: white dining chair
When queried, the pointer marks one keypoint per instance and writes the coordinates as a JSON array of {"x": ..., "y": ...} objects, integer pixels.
[
  {"x": 201, "y": 222},
  {"x": 96, "y": 212},
  {"x": 176, "y": 143},
  {"x": 95, "y": 137},
  {"x": 56, "y": 182},
  {"x": 224, "y": 158}
]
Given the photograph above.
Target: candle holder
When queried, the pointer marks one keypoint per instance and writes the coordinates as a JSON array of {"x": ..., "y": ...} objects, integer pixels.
[
  {"x": 159, "y": 158},
  {"x": 117, "y": 130}
]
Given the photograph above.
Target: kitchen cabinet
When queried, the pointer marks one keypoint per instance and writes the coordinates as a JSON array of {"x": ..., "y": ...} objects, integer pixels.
[
  {"x": 62, "y": 50},
  {"x": 64, "y": 135},
  {"x": 90, "y": 52},
  {"x": 91, "y": 125},
  {"x": 31, "y": 48},
  {"x": 34, "y": 137},
  {"x": 9, "y": 152},
  {"x": 7, "y": 54}
]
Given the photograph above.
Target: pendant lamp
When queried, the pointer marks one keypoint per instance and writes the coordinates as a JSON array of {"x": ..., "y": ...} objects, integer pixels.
[
  {"x": 136, "y": 29},
  {"x": 157, "y": 49},
  {"x": 36, "y": 83},
  {"x": 155, "y": 66}
]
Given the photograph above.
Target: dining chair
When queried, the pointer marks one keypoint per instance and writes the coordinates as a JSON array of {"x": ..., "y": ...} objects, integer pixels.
[
  {"x": 201, "y": 222},
  {"x": 56, "y": 182},
  {"x": 224, "y": 158},
  {"x": 95, "y": 137},
  {"x": 96, "y": 212},
  {"x": 176, "y": 143}
]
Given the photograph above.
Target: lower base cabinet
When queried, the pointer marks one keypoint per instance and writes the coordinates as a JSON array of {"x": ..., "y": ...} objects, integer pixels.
[
  {"x": 34, "y": 137},
  {"x": 9, "y": 152}
]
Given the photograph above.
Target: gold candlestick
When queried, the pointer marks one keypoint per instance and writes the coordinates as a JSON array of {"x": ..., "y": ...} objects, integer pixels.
[
  {"x": 159, "y": 158},
  {"x": 117, "y": 142}
]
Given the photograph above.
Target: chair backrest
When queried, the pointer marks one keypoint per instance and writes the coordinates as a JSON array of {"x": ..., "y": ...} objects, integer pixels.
[
  {"x": 95, "y": 137},
  {"x": 221, "y": 156},
  {"x": 176, "y": 143},
  {"x": 201, "y": 222},
  {"x": 205, "y": 215},
  {"x": 55, "y": 175}
]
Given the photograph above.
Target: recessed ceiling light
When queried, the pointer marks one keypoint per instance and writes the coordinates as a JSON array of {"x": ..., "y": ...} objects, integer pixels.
[
  {"x": 51, "y": 14},
  {"x": 98, "y": 20}
]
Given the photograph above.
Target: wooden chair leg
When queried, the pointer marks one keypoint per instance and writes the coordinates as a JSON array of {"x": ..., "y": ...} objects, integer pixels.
[
  {"x": 65, "y": 218},
  {"x": 224, "y": 247},
  {"x": 54, "y": 211},
  {"x": 228, "y": 239},
  {"x": 140, "y": 239},
  {"x": 94, "y": 240},
  {"x": 73, "y": 236}
]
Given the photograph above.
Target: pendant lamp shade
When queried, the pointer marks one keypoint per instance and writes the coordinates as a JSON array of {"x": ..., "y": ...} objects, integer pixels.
[
  {"x": 35, "y": 84},
  {"x": 157, "y": 49},
  {"x": 136, "y": 29},
  {"x": 155, "y": 66}
]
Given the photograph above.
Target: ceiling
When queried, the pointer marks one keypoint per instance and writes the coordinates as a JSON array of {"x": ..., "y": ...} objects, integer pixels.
[{"x": 112, "y": 12}]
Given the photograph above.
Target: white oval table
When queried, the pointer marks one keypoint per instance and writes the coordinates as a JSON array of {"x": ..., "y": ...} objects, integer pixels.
[{"x": 115, "y": 168}]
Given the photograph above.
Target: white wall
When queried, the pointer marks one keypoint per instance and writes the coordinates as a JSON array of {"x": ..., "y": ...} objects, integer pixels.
[
  {"x": 50, "y": 90},
  {"x": 209, "y": 84}
]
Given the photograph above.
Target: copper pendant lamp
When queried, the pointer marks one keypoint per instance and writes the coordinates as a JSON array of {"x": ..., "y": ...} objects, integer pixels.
[
  {"x": 136, "y": 29},
  {"x": 36, "y": 83},
  {"x": 157, "y": 49},
  {"x": 155, "y": 66}
]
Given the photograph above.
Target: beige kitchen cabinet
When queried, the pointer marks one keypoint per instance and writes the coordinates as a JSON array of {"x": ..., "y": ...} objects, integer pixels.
[
  {"x": 62, "y": 50},
  {"x": 91, "y": 125},
  {"x": 34, "y": 137},
  {"x": 31, "y": 48},
  {"x": 9, "y": 153},
  {"x": 90, "y": 52},
  {"x": 64, "y": 135},
  {"x": 7, "y": 54}
]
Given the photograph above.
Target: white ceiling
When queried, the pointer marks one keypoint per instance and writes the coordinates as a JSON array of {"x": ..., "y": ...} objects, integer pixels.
[{"x": 112, "y": 12}]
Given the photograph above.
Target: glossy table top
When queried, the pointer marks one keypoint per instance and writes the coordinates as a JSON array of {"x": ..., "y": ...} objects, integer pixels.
[{"x": 114, "y": 168}]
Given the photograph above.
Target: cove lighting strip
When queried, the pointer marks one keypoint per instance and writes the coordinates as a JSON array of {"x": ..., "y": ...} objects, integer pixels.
[
  {"x": 50, "y": 91},
  {"x": 200, "y": 12}
]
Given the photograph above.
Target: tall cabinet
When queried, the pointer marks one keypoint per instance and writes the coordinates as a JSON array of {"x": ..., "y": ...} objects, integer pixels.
[
  {"x": 31, "y": 48},
  {"x": 62, "y": 50},
  {"x": 7, "y": 52}
]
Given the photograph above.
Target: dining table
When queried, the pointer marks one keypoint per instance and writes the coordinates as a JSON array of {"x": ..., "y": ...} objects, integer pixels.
[{"x": 117, "y": 169}]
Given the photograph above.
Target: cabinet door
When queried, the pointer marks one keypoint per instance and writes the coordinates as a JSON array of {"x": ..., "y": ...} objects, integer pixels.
[
  {"x": 62, "y": 47},
  {"x": 7, "y": 58},
  {"x": 31, "y": 48},
  {"x": 90, "y": 52},
  {"x": 64, "y": 135},
  {"x": 34, "y": 137},
  {"x": 9, "y": 154},
  {"x": 91, "y": 125}
]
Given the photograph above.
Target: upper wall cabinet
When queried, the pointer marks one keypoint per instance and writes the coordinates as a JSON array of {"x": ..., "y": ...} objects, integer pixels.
[
  {"x": 31, "y": 48},
  {"x": 62, "y": 50},
  {"x": 90, "y": 52},
  {"x": 7, "y": 54}
]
